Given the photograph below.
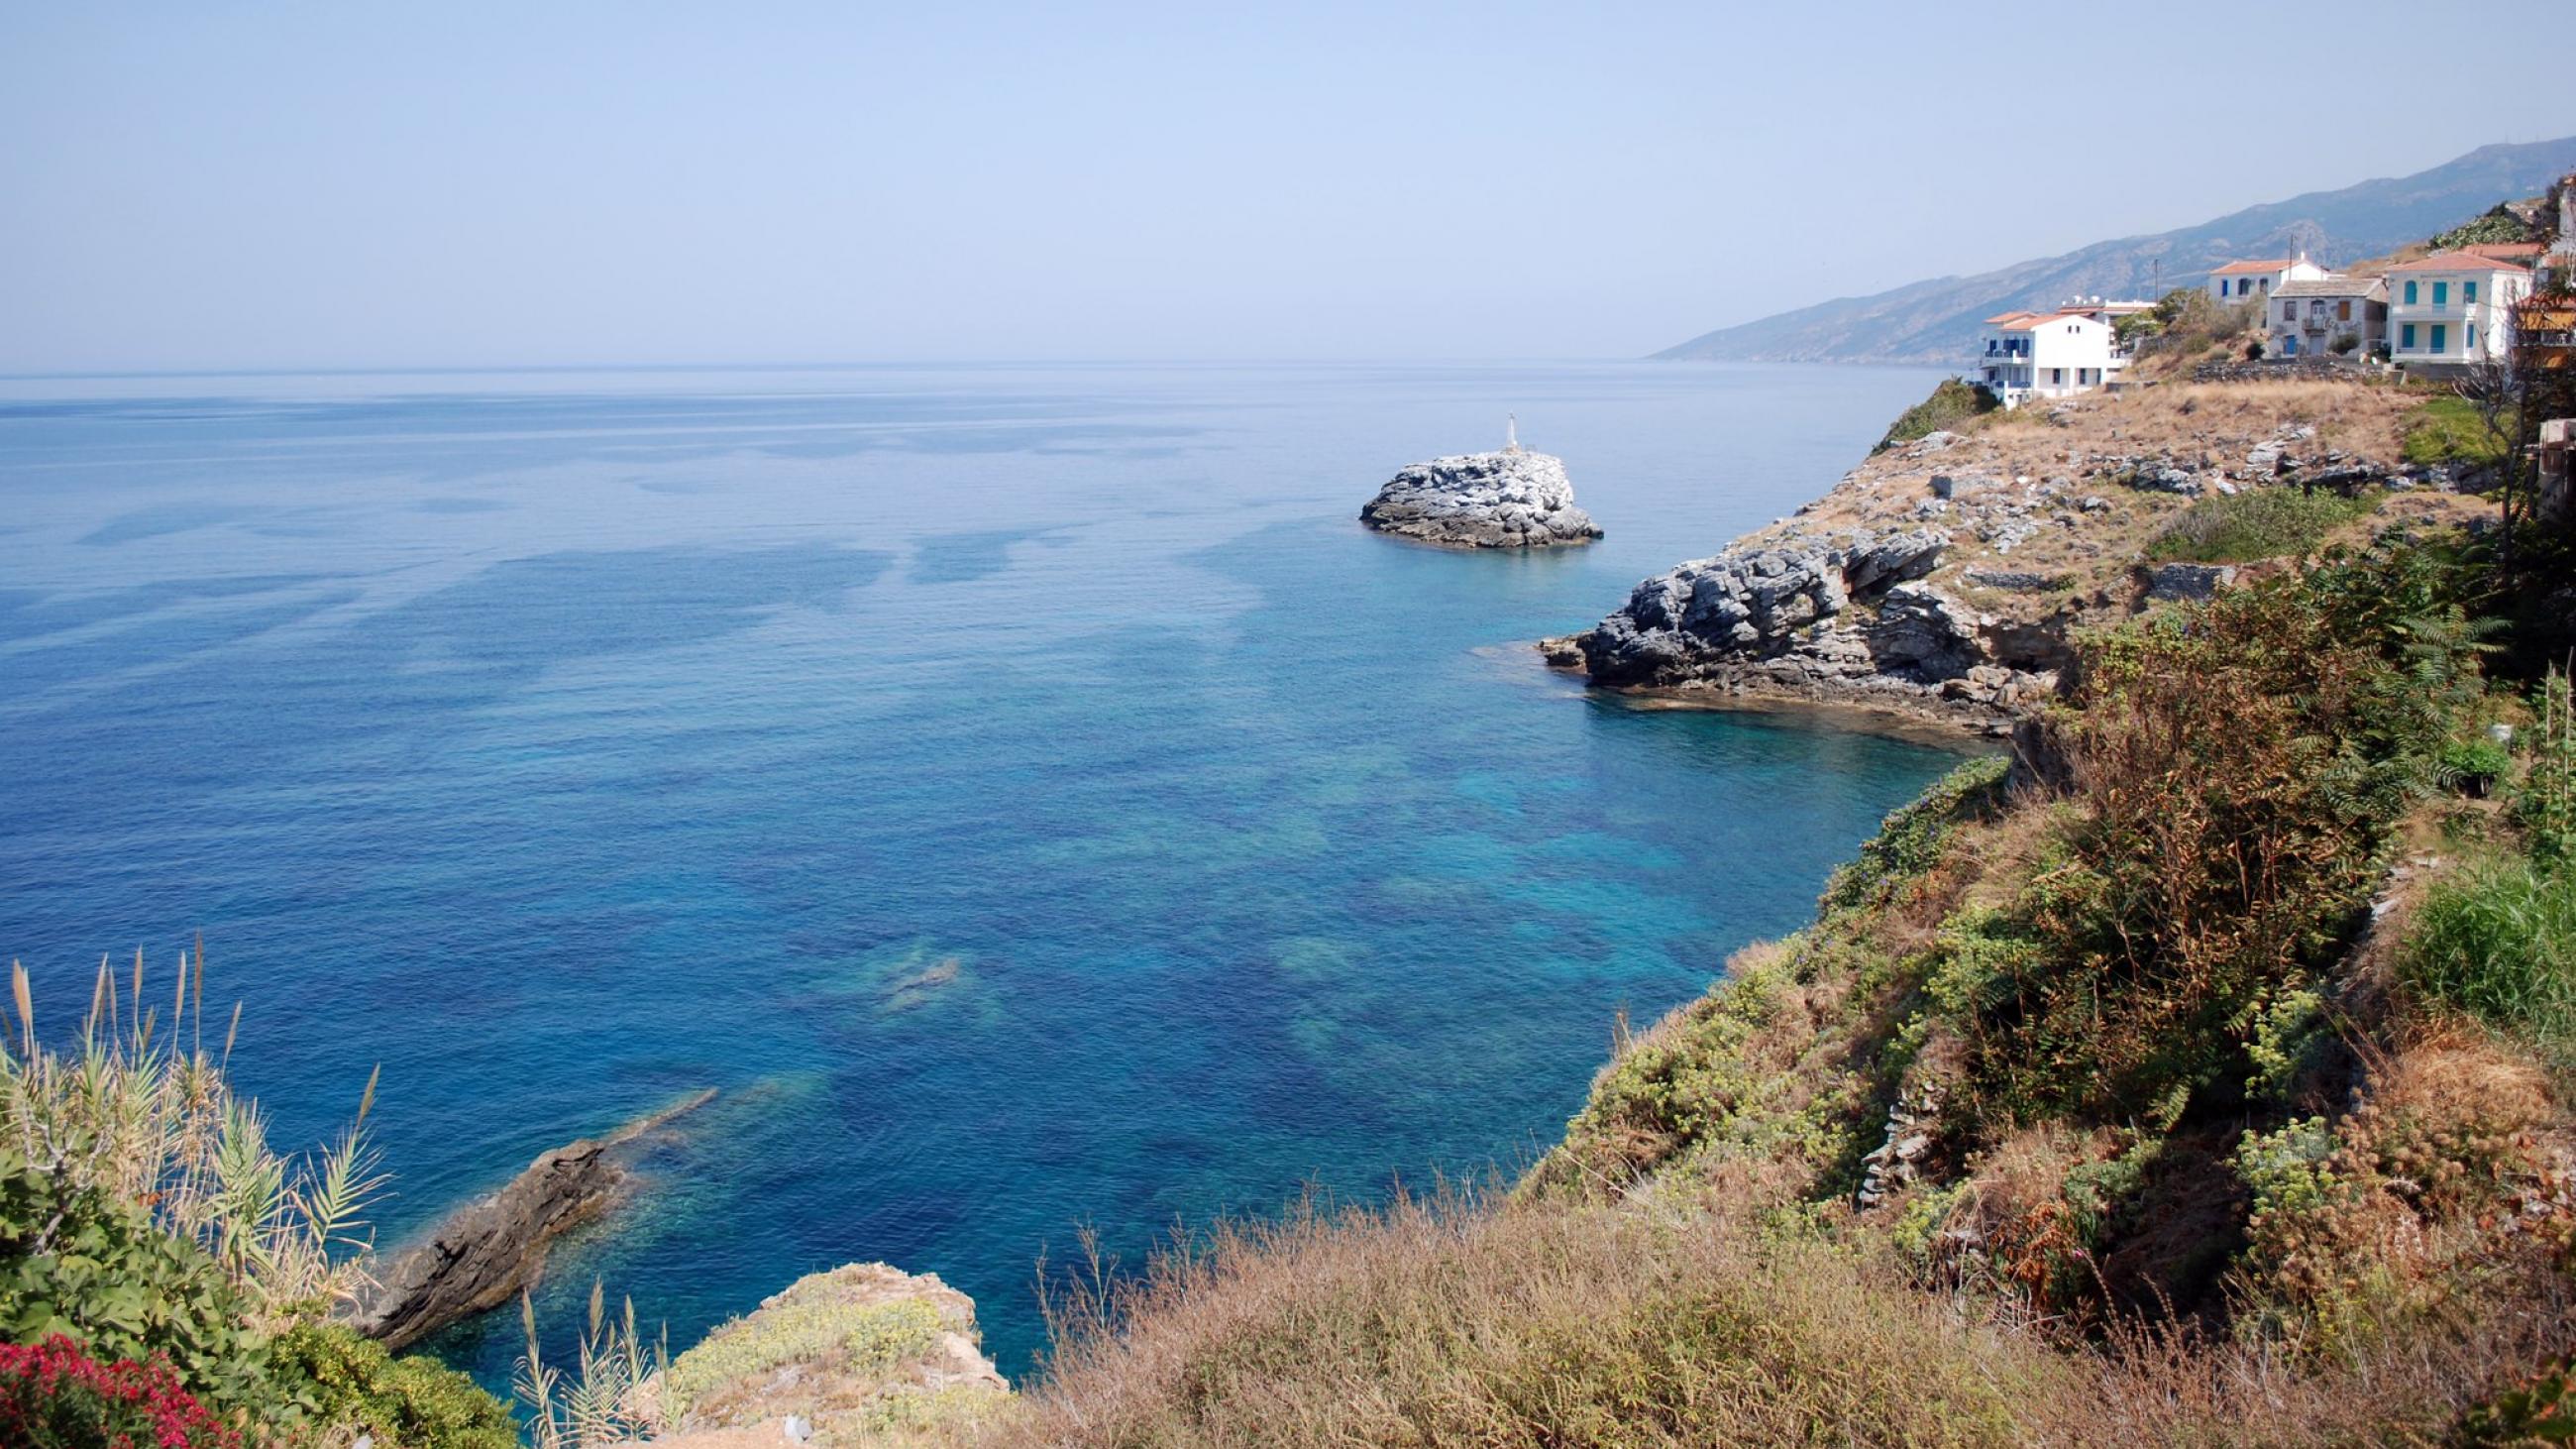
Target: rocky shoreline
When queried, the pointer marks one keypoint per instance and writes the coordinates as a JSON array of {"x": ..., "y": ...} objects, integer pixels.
[
  {"x": 1942, "y": 581},
  {"x": 1818, "y": 618}
]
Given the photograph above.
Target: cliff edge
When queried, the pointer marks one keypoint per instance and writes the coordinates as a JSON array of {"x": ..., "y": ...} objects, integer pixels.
[{"x": 1947, "y": 576}]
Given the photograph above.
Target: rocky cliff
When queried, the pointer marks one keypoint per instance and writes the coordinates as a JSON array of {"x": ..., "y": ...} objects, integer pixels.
[
  {"x": 1945, "y": 577},
  {"x": 1483, "y": 500}
]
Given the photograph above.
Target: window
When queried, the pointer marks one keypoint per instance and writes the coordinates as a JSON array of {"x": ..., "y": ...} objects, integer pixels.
[
  {"x": 2406, "y": 334},
  {"x": 2343, "y": 310},
  {"x": 2469, "y": 293},
  {"x": 2410, "y": 292},
  {"x": 2473, "y": 337},
  {"x": 2441, "y": 294},
  {"x": 2289, "y": 311},
  {"x": 2440, "y": 340}
]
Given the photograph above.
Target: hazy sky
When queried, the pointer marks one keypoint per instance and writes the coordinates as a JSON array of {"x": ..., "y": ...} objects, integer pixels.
[{"x": 211, "y": 184}]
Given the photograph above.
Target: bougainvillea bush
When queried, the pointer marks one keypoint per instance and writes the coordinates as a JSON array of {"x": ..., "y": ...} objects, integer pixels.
[{"x": 53, "y": 1396}]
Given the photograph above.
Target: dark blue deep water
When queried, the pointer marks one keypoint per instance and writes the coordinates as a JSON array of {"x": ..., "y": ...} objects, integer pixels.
[{"x": 1028, "y": 795}]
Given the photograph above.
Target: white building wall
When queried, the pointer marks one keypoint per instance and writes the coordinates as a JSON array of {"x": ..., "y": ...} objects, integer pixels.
[
  {"x": 2248, "y": 286},
  {"x": 2457, "y": 318},
  {"x": 2068, "y": 355}
]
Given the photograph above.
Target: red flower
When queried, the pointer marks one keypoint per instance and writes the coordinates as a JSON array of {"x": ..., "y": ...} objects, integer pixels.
[{"x": 54, "y": 1396}]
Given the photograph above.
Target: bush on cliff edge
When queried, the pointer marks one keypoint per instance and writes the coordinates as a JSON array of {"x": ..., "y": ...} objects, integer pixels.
[{"x": 1952, "y": 402}]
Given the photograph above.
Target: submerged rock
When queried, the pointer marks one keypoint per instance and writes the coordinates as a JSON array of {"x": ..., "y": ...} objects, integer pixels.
[
  {"x": 1483, "y": 500},
  {"x": 847, "y": 1355},
  {"x": 479, "y": 1256}
]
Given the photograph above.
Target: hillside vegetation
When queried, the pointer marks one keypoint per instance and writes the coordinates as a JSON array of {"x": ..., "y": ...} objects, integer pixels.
[{"x": 2173, "y": 1082}]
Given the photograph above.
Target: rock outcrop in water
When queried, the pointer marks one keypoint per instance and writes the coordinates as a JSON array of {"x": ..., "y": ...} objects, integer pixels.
[
  {"x": 482, "y": 1254},
  {"x": 1840, "y": 617},
  {"x": 1509, "y": 499},
  {"x": 840, "y": 1357}
]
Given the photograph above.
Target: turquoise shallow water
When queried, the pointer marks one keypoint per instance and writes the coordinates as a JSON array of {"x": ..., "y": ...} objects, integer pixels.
[{"x": 1026, "y": 793}]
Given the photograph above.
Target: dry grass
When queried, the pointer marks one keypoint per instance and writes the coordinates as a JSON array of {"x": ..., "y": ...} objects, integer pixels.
[
  {"x": 2060, "y": 450},
  {"x": 1445, "y": 1322}
]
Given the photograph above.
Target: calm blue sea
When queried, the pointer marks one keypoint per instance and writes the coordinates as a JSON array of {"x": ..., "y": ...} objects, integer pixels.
[{"x": 1027, "y": 794}]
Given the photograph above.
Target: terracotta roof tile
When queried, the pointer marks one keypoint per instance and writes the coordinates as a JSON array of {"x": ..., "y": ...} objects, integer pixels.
[
  {"x": 2260, "y": 264},
  {"x": 2459, "y": 261}
]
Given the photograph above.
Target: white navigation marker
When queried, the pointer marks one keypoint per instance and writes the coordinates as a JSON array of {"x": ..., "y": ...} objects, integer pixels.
[{"x": 1511, "y": 432}]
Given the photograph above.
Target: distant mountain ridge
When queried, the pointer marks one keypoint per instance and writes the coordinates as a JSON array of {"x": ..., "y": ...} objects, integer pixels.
[{"x": 1938, "y": 321}]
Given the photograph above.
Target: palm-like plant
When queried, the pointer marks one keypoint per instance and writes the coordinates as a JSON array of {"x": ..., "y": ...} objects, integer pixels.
[
  {"x": 604, "y": 1401},
  {"x": 131, "y": 1112}
]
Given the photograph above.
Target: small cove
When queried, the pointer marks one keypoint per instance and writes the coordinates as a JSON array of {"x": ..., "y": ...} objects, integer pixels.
[{"x": 1026, "y": 794}]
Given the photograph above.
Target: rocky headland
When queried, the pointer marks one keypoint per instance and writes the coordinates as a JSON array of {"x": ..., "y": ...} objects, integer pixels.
[
  {"x": 1509, "y": 499},
  {"x": 862, "y": 1354},
  {"x": 1944, "y": 578}
]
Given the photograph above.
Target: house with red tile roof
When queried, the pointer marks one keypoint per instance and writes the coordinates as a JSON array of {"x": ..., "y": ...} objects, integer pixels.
[
  {"x": 2446, "y": 312},
  {"x": 2048, "y": 354},
  {"x": 2243, "y": 281}
]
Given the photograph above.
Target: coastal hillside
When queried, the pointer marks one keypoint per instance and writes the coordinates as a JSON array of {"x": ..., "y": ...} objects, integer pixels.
[
  {"x": 1937, "y": 320},
  {"x": 2197, "y": 1066}
]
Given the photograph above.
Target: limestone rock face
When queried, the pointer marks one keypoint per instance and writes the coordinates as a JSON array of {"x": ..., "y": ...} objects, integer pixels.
[
  {"x": 1749, "y": 607},
  {"x": 862, "y": 1354},
  {"x": 1925, "y": 634},
  {"x": 1482, "y": 500}
]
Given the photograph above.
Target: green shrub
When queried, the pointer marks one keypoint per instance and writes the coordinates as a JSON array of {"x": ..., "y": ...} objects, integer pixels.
[
  {"x": 127, "y": 1110},
  {"x": 2473, "y": 764},
  {"x": 1952, "y": 402},
  {"x": 2448, "y": 430},
  {"x": 2495, "y": 225},
  {"x": 1911, "y": 838},
  {"x": 2256, "y": 523},
  {"x": 79, "y": 1262},
  {"x": 2499, "y": 943},
  {"x": 2238, "y": 767},
  {"x": 2288, "y": 1033},
  {"x": 344, "y": 1382}
]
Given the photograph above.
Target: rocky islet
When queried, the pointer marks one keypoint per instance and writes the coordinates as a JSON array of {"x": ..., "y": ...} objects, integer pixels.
[{"x": 1506, "y": 499}]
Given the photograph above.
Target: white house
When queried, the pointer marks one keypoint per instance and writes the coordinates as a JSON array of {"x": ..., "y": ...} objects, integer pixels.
[
  {"x": 2332, "y": 317},
  {"x": 2105, "y": 309},
  {"x": 2243, "y": 281},
  {"x": 2447, "y": 311},
  {"x": 2048, "y": 354}
]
